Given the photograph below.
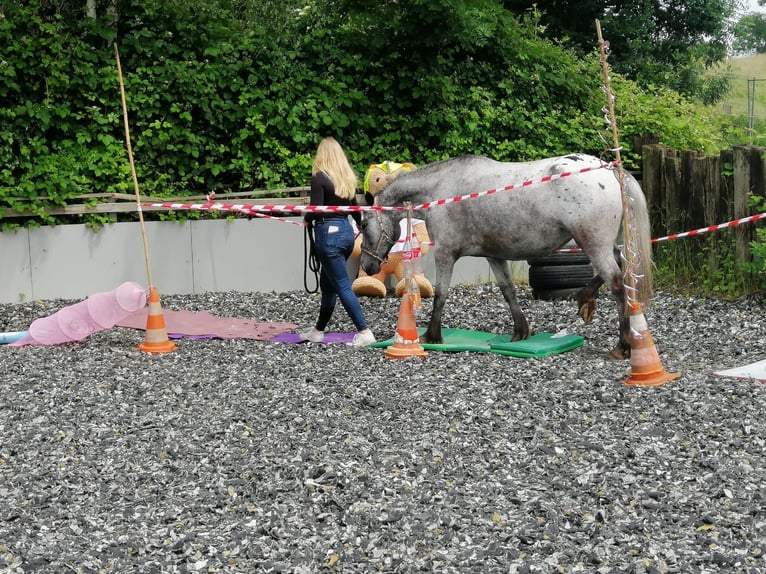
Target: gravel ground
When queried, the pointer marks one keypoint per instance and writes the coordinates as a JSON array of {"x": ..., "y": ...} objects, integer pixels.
[{"x": 247, "y": 456}]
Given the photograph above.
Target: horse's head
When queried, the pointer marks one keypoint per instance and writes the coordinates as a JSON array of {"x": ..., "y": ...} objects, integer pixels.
[{"x": 380, "y": 230}]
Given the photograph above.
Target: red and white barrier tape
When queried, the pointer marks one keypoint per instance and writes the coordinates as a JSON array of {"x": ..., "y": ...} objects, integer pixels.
[
  {"x": 275, "y": 218},
  {"x": 301, "y": 209},
  {"x": 711, "y": 228},
  {"x": 256, "y": 209},
  {"x": 527, "y": 183},
  {"x": 261, "y": 210},
  {"x": 700, "y": 231}
]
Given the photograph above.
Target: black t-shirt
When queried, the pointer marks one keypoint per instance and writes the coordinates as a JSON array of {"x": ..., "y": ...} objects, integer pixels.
[{"x": 323, "y": 193}]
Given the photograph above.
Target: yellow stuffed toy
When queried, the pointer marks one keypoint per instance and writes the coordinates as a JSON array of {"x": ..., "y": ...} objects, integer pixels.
[{"x": 378, "y": 176}]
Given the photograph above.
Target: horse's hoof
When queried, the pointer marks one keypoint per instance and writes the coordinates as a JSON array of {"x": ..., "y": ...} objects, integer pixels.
[
  {"x": 619, "y": 353},
  {"x": 587, "y": 311}
]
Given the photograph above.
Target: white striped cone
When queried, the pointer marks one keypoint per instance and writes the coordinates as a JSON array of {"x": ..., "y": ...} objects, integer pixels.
[{"x": 646, "y": 370}]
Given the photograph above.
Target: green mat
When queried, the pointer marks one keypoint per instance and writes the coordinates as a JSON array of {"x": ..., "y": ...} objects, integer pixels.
[{"x": 539, "y": 345}]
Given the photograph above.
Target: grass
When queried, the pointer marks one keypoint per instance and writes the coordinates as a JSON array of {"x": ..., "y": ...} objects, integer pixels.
[
  {"x": 732, "y": 114},
  {"x": 745, "y": 68}
]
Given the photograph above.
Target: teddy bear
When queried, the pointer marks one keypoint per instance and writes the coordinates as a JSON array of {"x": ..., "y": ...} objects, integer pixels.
[{"x": 377, "y": 177}]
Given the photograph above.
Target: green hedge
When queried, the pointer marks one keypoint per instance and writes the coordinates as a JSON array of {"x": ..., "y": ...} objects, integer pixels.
[{"x": 222, "y": 101}]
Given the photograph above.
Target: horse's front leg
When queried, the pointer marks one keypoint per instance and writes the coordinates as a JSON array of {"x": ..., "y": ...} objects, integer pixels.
[
  {"x": 444, "y": 266},
  {"x": 502, "y": 271},
  {"x": 586, "y": 298}
]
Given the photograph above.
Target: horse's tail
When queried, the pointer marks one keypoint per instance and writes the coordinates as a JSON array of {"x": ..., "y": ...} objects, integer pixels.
[{"x": 640, "y": 242}]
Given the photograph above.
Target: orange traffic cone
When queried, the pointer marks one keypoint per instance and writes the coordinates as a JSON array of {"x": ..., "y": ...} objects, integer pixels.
[
  {"x": 646, "y": 370},
  {"x": 406, "y": 342},
  {"x": 156, "y": 340}
]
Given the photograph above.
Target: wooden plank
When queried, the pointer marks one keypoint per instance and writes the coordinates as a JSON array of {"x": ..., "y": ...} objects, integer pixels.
[
  {"x": 639, "y": 142},
  {"x": 756, "y": 188},
  {"x": 689, "y": 199},
  {"x": 130, "y": 207},
  {"x": 710, "y": 173},
  {"x": 671, "y": 180},
  {"x": 740, "y": 194},
  {"x": 726, "y": 204},
  {"x": 78, "y": 209},
  {"x": 288, "y": 191},
  {"x": 651, "y": 182},
  {"x": 758, "y": 171}
]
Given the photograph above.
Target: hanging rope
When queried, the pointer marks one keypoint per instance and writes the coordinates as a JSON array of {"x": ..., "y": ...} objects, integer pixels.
[
  {"x": 311, "y": 260},
  {"x": 630, "y": 254}
]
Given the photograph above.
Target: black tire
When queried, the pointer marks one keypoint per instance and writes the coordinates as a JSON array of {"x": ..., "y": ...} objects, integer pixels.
[
  {"x": 560, "y": 276},
  {"x": 576, "y": 258},
  {"x": 554, "y": 294},
  {"x": 566, "y": 258}
]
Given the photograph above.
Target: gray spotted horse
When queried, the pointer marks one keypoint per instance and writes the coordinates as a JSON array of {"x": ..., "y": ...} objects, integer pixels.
[{"x": 519, "y": 211}]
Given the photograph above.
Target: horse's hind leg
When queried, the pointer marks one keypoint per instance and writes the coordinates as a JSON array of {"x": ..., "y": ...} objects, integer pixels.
[{"x": 502, "y": 271}]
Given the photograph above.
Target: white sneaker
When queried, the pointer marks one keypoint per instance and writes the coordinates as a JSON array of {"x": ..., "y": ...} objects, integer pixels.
[
  {"x": 312, "y": 335},
  {"x": 363, "y": 339}
]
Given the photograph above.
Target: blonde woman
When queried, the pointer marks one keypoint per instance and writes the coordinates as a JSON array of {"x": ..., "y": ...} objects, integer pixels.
[{"x": 333, "y": 182}]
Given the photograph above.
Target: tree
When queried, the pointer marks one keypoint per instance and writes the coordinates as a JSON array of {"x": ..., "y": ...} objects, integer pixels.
[
  {"x": 453, "y": 74},
  {"x": 655, "y": 42},
  {"x": 750, "y": 34},
  {"x": 235, "y": 94}
]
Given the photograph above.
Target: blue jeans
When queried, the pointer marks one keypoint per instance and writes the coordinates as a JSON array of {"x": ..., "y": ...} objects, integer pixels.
[{"x": 334, "y": 239}]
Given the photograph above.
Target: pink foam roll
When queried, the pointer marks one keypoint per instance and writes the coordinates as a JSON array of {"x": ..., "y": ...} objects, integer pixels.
[
  {"x": 108, "y": 308},
  {"x": 75, "y": 321},
  {"x": 131, "y": 297},
  {"x": 47, "y": 331}
]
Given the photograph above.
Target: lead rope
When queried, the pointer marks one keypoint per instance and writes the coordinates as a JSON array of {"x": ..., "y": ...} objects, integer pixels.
[{"x": 311, "y": 261}]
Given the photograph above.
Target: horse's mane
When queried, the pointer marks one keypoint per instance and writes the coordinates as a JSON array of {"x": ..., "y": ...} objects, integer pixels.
[{"x": 410, "y": 186}]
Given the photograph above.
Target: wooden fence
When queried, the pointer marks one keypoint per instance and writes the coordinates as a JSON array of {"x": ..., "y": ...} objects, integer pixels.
[
  {"x": 684, "y": 189},
  {"x": 687, "y": 191},
  {"x": 115, "y": 203}
]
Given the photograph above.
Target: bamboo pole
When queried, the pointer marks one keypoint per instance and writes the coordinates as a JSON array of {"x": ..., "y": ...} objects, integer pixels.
[
  {"x": 133, "y": 169},
  {"x": 629, "y": 278}
]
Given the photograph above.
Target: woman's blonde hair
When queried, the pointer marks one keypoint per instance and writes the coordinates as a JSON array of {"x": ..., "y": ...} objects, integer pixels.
[{"x": 332, "y": 160}]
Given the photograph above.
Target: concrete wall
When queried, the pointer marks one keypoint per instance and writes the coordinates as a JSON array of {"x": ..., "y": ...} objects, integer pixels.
[{"x": 73, "y": 262}]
